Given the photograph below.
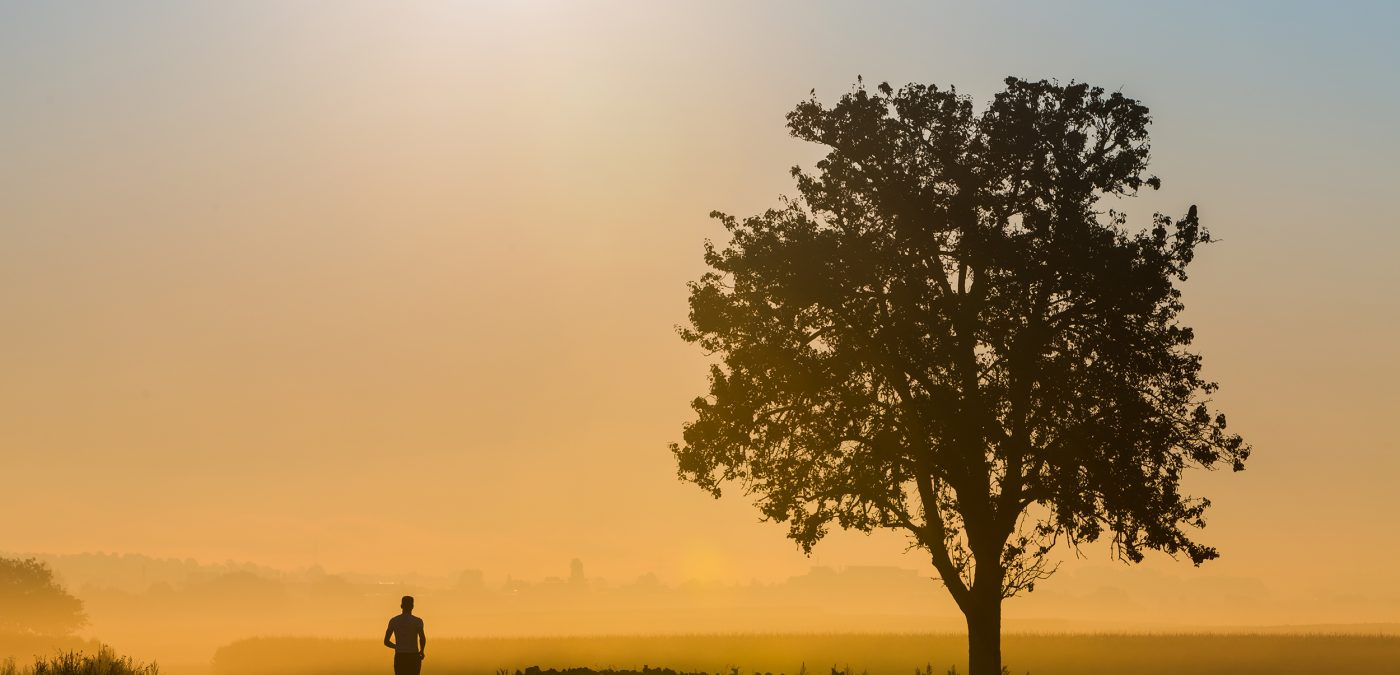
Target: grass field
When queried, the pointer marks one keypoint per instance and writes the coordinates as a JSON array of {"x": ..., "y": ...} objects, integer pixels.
[{"x": 879, "y": 654}]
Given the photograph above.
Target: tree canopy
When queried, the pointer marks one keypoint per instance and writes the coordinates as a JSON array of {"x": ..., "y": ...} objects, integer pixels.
[
  {"x": 947, "y": 333},
  {"x": 34, "y": 603}
]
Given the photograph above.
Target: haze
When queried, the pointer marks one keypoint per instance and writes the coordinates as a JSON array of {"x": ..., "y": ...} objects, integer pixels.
[{"x": 391, "y": 290}]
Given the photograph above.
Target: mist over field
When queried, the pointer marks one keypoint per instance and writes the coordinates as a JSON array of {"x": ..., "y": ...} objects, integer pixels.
[{"x": 181, "y": 612}]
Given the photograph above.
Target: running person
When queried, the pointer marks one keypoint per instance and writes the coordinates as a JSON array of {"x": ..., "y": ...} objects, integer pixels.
[{"x": 408, "y": 639}]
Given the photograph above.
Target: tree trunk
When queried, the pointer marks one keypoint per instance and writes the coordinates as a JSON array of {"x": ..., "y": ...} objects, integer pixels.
[{"x": 984, "y": 635}]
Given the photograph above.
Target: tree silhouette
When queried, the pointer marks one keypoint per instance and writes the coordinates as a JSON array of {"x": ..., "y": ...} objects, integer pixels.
[
  {"x": 947, "y": 335},
  {"x": 34, "y": 603}
]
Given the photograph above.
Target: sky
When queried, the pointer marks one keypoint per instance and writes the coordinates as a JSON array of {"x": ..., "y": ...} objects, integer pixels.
[{"x": 383, "y": 286}]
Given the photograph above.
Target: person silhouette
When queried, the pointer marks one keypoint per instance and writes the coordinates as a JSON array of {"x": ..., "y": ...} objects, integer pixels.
[{"x": 408, "y": 639}]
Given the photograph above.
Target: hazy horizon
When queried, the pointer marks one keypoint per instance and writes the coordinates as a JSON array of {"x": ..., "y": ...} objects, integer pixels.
[
  {"x": 180, "y": 612},
  {"x": 1092, "y": 595}
]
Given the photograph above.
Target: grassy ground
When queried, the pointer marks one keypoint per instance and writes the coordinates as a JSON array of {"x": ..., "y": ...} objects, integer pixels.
[{"x": 887, "y": 654}]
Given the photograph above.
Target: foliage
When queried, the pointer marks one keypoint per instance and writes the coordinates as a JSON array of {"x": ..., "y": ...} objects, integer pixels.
[
  {"x": 34, "y": 603},
  {"x": 104, "y": 662},
  {"x": 946, "y": 334}
]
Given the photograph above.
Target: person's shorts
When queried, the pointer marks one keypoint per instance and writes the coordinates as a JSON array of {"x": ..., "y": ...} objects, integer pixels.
[{"x": 407, "y": 663}]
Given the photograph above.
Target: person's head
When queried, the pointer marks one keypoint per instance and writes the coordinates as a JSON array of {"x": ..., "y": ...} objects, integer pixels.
[{"x": 407, "y": 603}]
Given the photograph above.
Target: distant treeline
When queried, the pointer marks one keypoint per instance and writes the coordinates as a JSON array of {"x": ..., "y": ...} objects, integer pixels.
[{"x": 181, "y": 611}]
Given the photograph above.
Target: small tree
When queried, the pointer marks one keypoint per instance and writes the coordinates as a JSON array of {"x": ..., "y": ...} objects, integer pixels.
[
  {"x": 946, "y": 334},
  {"x": 33, "y": 602}
]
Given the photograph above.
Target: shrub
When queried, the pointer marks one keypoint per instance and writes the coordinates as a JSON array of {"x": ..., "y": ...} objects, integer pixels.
[{"x": 104, "y": 662}]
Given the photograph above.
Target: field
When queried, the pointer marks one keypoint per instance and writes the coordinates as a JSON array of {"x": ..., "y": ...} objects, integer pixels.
[{"x": 876, "y": 654}]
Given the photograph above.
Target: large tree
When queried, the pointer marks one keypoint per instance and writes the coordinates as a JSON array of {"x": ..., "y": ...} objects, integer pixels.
[
  {"x": 948, "y": 333},
  {"x": 32, "y": 602}
]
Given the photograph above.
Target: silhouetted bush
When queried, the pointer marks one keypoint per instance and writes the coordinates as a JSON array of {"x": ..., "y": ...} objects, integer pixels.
[
  {"x": 646, "y": 670},
  {"x": 104, "y": 662}
]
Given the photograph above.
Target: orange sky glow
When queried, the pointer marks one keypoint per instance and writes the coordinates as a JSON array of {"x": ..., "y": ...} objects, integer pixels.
[{"x": 396, "y": 291}]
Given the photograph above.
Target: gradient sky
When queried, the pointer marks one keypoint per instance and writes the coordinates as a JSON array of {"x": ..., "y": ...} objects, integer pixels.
[{"x": 388, "y": 287}]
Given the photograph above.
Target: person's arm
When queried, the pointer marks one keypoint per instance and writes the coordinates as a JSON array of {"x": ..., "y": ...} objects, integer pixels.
[
  {"x": 422, "y": 639},
  {"x": 388, "y": 632}
]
